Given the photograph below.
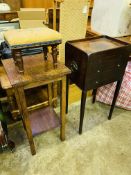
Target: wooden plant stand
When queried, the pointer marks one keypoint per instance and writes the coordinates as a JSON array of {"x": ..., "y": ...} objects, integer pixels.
[{"x": 38, "y": 74}]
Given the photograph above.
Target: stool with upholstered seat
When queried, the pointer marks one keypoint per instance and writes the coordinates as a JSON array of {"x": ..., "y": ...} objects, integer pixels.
[{"x": 30, "y": 38}]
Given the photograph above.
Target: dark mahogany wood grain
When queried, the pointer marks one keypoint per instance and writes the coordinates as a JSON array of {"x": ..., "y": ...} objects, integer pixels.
[{"x": 95, "y": 62}]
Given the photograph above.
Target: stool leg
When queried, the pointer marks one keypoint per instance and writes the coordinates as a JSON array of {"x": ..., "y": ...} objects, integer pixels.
[
  {"x": 45, "y": 50},
  {"x": 82, "y": 110},
  {"x": 18, "y": 60},
  {"x": 67, "y": 93},
  {"x": 94, "y": 95},
  {"x": 21, "y": 101},
  {"x": 118, "y": 85},
  {"x": 14, "y": 58},
  {"x": 54, "y": 54},
  {"x": 62, "y": 107}
]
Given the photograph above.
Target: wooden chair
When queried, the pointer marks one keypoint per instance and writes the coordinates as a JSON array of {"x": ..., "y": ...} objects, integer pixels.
[
  {"x": 73, "y": 22},
  {"x": 32, "y": 17}
]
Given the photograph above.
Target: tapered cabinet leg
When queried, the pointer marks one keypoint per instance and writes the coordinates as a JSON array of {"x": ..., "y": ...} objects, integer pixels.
[
  {"x": 62, "y": 108},
  {"x": 21, "y": 101},
  {"x": 94, "y": 95},
  {"x": 118, "y": 85},
  {"x": 82, "y": 110}
]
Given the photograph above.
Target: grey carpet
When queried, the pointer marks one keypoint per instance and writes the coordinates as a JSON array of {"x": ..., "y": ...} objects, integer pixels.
[{"x": 104, "y": 148}]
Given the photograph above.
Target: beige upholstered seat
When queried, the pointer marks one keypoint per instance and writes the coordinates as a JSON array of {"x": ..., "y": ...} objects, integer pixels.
[{"x": 20, "y": 38}]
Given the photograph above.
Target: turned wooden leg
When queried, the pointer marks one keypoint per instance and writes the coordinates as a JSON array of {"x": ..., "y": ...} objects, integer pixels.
[
  {"x": 45, "y": 50},
  {"x": 118, "y": 86},
  {"x": 20, "y": 97},
  {"x": 94, "y": 95},
  {"x": 54, "y": 54},
  {"x": 67, "y": 93},
  {"x": 62, "y": 107},
  {"x": 18, "y": 60},
  {"x": 82, "y": 110},
  {"x": 14, "y": 58}
]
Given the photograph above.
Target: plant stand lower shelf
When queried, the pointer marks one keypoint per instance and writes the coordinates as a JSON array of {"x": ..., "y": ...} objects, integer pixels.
[
  {"x": 38, "y": 74},
  {"x": 43, "y": 120}
]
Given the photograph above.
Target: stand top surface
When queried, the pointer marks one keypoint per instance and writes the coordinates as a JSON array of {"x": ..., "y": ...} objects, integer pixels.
[
  {"x": 97, "y": 44},
  {"x": 36, "y": 71}
]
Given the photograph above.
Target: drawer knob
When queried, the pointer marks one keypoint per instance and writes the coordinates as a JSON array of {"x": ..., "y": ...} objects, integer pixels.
[
  {"x": 73, "y": 66},
  {"x": 97, "y": 82},
  {"x": 98, "y": 71}
]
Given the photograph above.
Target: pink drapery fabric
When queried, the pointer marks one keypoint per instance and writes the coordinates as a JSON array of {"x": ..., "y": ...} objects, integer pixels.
[{"x": 105, "y": 93}]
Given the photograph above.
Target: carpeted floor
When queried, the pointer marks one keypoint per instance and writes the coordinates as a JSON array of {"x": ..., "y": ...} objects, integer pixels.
[{"x": 104, "y": 148}]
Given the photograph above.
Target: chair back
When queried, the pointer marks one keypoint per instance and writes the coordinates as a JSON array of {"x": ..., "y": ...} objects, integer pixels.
[
  {"x": 73, "y": 22},
  {"x": 32, "y": 17}
]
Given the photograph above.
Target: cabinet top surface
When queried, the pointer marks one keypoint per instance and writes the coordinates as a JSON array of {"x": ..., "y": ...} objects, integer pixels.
[{"x": 96, "y": 44}]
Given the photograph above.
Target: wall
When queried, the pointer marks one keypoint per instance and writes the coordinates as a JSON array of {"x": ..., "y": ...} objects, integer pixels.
[{"x": 14, "y": 4}]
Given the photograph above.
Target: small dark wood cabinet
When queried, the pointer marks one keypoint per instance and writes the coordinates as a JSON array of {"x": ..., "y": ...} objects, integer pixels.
[{"x": 95, "y": 62}]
